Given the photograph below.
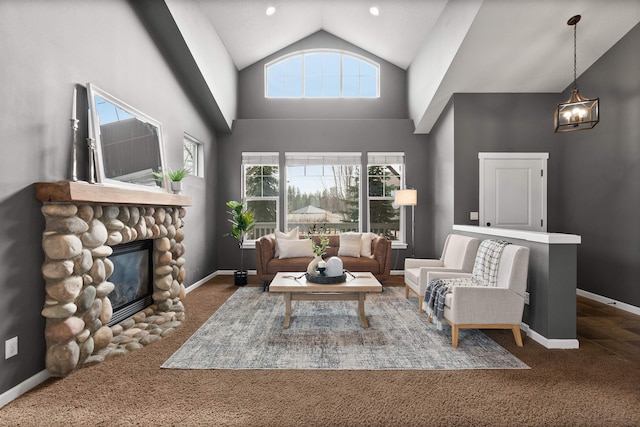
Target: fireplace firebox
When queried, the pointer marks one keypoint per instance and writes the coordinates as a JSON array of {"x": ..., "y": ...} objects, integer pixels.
[{"x": 132, "y": 276}]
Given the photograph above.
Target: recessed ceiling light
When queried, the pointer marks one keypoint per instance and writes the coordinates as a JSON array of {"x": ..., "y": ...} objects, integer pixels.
[
  {"x": 374, "y": 11},
  {"x": 271, "y": 10}
]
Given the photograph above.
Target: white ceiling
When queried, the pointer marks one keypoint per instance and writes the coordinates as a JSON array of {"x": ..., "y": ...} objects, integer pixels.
[
  {"x": 250, "y": 35},
  {"x": 509, "y": 46}
]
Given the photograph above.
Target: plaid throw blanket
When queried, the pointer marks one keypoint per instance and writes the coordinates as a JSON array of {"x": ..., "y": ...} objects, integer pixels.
[
  {"x": 485, "y": 273},
  {"x": 485, "y": 268}
]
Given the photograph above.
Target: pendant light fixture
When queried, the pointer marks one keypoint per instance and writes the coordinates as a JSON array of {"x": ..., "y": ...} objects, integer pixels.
[{"x": 577, "y": 113}]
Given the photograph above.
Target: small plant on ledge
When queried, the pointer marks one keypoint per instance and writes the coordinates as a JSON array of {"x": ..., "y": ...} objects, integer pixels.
[
  {"x": 242, "y": 222},
  {"x": 178, "y": 175},
  {"x": 175, "y": 176}
]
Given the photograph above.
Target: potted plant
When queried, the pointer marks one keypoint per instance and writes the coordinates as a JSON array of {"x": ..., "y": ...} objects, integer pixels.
[
  {"x": 242, "y": 222},
  {"x": 175, "y": 177}
]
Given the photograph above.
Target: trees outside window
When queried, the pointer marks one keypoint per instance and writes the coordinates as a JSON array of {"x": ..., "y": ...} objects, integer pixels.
[
  {"x": 261, "y": 182},
  {"x": 323, "y": 188},
  {"x": 385, "y": 176}
]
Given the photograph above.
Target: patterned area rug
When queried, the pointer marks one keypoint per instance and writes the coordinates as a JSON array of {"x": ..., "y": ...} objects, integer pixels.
[{"x": 246, "y": 333}]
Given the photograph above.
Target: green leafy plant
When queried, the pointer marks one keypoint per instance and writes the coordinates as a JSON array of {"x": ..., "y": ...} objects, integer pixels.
[
  {"x": 175, "y": 176},
  {"x": 319, "y": 249},
  {"x": 242, "y": 222}
]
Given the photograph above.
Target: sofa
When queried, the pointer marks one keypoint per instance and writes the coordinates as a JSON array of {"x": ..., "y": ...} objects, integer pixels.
[{"x": 267, "y": 264}]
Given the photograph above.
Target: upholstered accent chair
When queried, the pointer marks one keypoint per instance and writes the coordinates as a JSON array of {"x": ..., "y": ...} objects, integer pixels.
[
  {"x": 458, "y": 255},
  {"x": 487, "y": 307}
]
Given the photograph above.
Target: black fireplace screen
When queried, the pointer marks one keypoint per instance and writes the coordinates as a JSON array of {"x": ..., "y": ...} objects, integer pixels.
[{"x": 132, "y": 276}]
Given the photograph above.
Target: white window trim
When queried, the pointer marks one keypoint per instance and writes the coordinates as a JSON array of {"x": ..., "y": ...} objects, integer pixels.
[
  {"x": 199, "y": 172},
  {"x": 304, "y": 52}
]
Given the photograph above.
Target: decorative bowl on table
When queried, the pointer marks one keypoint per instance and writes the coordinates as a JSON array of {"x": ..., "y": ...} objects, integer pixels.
[{"x": 326, "y": 280}]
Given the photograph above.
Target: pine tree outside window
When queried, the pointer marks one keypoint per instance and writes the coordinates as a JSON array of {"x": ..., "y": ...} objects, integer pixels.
[
  {"x": 261, "y": 191},
  {"x": 385, "y": 175}
]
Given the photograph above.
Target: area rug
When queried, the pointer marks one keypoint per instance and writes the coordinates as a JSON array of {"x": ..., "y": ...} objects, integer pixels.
[{"x": 246, "y": 333}]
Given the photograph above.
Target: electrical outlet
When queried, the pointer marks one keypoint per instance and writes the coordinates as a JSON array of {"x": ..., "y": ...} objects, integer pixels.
[
  {"x": 11, "y": 347},
  {"x": 473, "y": 216},
  {"x": 526, "y": 298}
]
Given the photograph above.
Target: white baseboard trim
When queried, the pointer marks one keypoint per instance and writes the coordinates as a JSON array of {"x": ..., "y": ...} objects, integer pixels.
[
  {"x": 562, "y": 344},
  {"x": 205, "y": 279},
  {"x": 26, "y": 385},
  {"x": 613, "y": 303}
]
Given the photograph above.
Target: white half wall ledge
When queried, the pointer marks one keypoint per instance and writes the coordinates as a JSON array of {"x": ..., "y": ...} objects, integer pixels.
[{"x": 530, "y": 236}]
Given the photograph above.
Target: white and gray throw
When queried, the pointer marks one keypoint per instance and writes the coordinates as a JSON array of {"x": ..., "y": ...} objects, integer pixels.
[{"x": 485, "y": 273}]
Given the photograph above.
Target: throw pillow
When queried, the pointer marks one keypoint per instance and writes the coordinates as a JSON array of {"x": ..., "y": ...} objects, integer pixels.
[
  {"x": 365, "y": 251},
  {"x": 291, "y": 235},
  {"x": 295, "y": 248},
  {"x": 350, "y": 244}
]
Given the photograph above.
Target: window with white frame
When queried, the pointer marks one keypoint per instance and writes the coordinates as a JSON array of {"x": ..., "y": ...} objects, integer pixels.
[
  {"x": 323, "y": 190},
  {"x": 322, "y": 74},
  {"x": 261, "y": 190},
  {"x": 193, "y": 155},
  {"x": 385, "y": 175}
]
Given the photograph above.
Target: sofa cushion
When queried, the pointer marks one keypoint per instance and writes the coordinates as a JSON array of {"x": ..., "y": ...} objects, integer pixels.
[
  {"x": 350, "y": 245},
  {"x": 295, "y": 248},
  {"x": 365, "y": 249},
  {"x": 291, "y": 235}
]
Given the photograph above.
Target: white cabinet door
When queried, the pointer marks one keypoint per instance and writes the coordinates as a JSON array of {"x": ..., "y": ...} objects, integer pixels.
[{"x": 513, "y": 190}]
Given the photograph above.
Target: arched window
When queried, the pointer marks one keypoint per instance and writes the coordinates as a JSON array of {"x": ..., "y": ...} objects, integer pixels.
[{"x": 322, "y": 74}]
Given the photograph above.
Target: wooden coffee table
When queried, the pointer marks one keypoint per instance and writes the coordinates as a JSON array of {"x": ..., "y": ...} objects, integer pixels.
[{"x": 296, "y": 288}]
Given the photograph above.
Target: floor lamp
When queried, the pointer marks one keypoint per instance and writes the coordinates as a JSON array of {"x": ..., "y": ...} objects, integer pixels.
[{"x": 409, "y": 197}]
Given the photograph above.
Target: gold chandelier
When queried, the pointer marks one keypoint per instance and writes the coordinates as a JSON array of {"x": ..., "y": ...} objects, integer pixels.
[{"x": 577, "y": 113}]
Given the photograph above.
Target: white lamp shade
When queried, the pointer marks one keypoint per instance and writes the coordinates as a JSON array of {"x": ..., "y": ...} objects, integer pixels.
[{"x": 406, "y": 197}]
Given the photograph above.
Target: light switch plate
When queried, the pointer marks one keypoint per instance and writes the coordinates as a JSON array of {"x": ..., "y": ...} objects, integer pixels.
[
  {"x": 11, "y": 347},
  {"x": 473, "y": 216}
]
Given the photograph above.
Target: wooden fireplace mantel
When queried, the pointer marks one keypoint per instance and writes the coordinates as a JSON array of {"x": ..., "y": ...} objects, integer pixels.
[{"x": 77, "y": 191}]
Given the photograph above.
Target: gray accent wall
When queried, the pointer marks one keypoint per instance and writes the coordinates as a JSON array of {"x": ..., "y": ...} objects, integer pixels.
[
  {"x": 392, "y": 103},
  {"x": 46, "y": 50},
  {"x": 601, "y": 176},
  {"x": 593, "y": 175},
  {"x": 309, "y": 135},
  {"x": 319, "y": 125},
  {"x": 441, "y": 184}
]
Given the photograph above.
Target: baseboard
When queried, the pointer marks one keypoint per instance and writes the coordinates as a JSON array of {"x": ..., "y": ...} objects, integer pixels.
[
  {"x": 26, "y": 385},
  {"x": 205, "y": 279},
  {"x": 608, "y": 301},
  {"x": 554, "y": 343}
]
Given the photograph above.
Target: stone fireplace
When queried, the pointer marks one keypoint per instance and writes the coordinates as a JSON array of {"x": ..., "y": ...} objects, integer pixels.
[{"x": 83, "y": 223}]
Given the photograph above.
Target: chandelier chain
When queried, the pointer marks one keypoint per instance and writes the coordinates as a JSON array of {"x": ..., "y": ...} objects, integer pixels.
[{"x": 575, "y": 49}]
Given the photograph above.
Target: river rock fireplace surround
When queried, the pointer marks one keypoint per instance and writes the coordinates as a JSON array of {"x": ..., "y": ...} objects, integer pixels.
[{"x": 82, "y": 224}]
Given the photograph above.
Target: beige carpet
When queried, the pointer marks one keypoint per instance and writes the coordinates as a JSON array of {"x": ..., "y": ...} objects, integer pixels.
[{"x": 586, "y": 387}]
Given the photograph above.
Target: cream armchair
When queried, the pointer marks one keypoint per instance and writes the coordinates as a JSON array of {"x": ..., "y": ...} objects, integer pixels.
[
  {"x": 485, "y": 307},
  {"x": 458, "y": 255}
]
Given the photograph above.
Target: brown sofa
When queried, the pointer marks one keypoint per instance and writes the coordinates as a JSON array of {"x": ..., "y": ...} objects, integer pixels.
[{"x": 267, "y": 265}]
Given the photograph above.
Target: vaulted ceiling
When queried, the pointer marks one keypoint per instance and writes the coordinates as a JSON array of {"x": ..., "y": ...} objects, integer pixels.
[
  {"x": 395, "y": 34},
  {"x": 447, "y": 46}
]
